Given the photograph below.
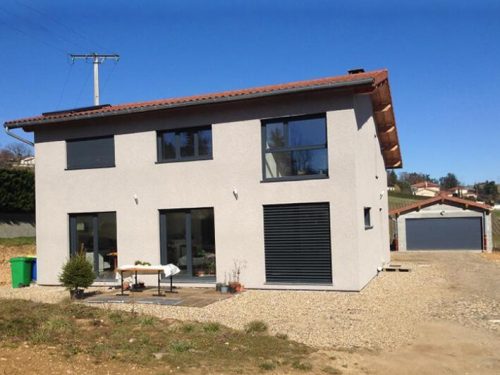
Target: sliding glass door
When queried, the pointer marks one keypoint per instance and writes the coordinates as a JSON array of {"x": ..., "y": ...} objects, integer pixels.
[
  {"x": 95, "y": 235},
  {"x": 188, "y": 241}
]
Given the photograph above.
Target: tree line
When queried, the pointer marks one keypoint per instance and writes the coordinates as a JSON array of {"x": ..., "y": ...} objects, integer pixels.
[{"x": 486, "y": 191}]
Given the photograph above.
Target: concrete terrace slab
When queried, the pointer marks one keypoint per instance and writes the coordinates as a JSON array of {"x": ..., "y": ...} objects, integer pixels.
[{"x": 189, "y": 297}]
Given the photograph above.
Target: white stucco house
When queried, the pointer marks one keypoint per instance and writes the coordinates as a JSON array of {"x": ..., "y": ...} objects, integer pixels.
[
  {"x": 425, "y": 189},
  {"x": 288, "y": 181}
]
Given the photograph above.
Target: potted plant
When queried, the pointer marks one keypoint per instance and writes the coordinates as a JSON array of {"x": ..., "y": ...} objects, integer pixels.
[
  {"x": 77, "y": 274},
  {"x": 234, "y": 285}
]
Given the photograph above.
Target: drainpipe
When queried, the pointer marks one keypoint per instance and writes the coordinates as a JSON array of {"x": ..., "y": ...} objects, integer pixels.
[{"x": 19, "y": 138}]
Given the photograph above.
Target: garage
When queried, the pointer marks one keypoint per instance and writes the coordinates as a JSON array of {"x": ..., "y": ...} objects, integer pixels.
[
  {"x": 443, "y": 223},
  {"x": 464, "y": 233}
]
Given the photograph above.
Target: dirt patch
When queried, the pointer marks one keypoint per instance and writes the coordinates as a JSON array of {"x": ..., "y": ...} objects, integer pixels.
[
  {"x": 7, "y": 252},
  {"x": 494, "y": 256}
]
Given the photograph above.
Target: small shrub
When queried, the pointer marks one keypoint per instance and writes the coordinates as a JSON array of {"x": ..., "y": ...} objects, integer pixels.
[
  {"x": 282, "y": 336},
  {"x": 147, "y": 321},
  {"x": 267, "y": 366},
  {"x": 331, "y": 370},
  {"x": 211, "y": 327},
  {"x": 303, "y": 366},
  {"x": 256, "y": 326},
  {"x": 188, "y": 328},
  {"x": 116, "y": 317},
  {"x": 77, "y": 273},
  {"x": 180, "y": 346}
]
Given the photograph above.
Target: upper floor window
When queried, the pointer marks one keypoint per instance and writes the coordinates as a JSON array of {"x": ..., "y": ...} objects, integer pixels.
[
  {"x": 295, "y": 148},
  {"x": 85, "y": 153},
  {"x": 185, "y": 144}
]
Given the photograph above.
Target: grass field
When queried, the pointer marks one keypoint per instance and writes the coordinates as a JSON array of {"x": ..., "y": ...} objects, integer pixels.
[
  {"x": 496, "y": 229},
  {"x": 17, "y": 241},
  {"x": 103, "y": 336},
  {"x": 398, "y": 200}
]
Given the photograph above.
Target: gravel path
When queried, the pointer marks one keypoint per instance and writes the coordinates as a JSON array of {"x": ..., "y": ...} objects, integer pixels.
[{"x": 384, "y": 315}]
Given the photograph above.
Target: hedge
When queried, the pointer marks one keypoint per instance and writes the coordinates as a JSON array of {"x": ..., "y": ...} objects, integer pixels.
[{"x": 17, "y": 190}]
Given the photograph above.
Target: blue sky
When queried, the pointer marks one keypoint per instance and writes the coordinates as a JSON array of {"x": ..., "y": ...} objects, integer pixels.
[{"x": 443, "y": 59}]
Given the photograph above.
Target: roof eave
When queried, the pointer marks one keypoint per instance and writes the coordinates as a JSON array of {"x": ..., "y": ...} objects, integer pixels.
[{"x": 28, "y": 125}]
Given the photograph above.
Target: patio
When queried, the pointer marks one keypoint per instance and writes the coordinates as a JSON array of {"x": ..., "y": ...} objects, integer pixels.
[{"x": 188, "y": 297}]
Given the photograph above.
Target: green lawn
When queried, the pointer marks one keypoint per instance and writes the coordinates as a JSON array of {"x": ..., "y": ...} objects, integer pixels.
[
  {"x": 496, "y": 229},
  {"x": 17, "y": 241}
]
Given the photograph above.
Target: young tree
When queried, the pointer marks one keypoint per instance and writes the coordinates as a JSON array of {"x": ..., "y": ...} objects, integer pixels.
[
  {"x": 449, "y": 181},
  {"x": 392, "y": 178},
  {"x": 77, "y": 273},
  {"x": 20, "y": 150}
]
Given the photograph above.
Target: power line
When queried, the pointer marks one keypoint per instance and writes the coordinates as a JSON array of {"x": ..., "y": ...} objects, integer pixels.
[
  {"x": 68, "y": 28},
  {"x": 65, "y": 84},
  {"x": 97, "y": 59},
  {"x": 33, "y": 37},
  {"x": 108, "y": 77},
  {"x": 40, "y": 26}
]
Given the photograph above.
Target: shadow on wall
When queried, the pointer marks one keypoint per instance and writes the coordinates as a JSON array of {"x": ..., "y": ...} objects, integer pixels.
[{"x": 17, "y": 224}]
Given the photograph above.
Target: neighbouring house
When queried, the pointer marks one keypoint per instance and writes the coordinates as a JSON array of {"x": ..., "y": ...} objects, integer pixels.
[
  {"x": 444, "y": 223},
  {"x": 425, "y": 189},
  {"x": 27, "y": 162},
  {"x": 286, "y": 183},
  {"x": 462, "y": 192}
]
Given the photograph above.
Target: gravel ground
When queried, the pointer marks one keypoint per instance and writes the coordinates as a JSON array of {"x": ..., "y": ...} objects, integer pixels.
[{"x": 386, "y": 314}]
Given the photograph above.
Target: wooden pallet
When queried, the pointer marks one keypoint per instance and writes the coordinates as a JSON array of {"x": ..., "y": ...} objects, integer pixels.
[{"x": 395, "y": 268}]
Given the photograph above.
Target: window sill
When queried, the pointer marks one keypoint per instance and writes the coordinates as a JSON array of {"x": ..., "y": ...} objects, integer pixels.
[
  {"x": 296, "y": 178},
  {"x": 83, "y": 168},
  {"x": 182, "y": 160},
  {"x": 368, "y": 227}
]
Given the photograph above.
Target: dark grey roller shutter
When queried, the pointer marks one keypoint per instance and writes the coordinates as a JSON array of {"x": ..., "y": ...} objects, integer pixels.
[
  {"x": 297, "y": 243},
  {"x": 461, "y": 233},
  {"x": 91, "y": 153}
]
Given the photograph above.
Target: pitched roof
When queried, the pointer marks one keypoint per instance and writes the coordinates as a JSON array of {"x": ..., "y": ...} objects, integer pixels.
[
  {"x": 375, "y": 83},
  {"x": 425, "y": 184},
  {"x": 441, "y": 199}
]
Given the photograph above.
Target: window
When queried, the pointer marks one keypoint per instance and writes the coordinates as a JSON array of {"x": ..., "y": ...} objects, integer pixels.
[
  {"x": 94, "y": 234},
  {"x": 90, "y": 153},
  {"x": 185, "y": 144},
  {"x": 187, "y": 239},
  {"x": 295, "y": 148},
  {"x": 297, "y": 243},
  {"x": 368, "y": 219}
]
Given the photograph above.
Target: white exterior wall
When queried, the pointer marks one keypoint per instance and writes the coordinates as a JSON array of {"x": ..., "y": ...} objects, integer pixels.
[
  {"x": 443, "y": 210},
  {"x": 354, "y": 158}
]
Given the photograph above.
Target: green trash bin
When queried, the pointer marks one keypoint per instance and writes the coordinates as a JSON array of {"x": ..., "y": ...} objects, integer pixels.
[{"x": 21, "y": 271}]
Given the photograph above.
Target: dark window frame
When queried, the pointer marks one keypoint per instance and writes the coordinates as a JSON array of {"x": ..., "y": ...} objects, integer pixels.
[
  {"x": 95, "y": 224},
  {"x": 164, "y": 244},
  {"x": 265, "y": 150},
  {"x": 367, "y": 214},
  {"x": 73, "y": 140},
  {"x": 178, "y": 158}
]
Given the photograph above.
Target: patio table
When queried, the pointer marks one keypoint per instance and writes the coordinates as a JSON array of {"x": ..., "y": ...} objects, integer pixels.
[{"x": 169, "y": 270}]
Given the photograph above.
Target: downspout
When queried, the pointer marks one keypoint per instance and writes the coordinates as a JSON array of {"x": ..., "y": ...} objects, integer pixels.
[{"x": 19, "y": 138}]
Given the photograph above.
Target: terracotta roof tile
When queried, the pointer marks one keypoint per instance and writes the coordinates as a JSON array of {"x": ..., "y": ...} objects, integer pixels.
[
  {"x": 440, "y": 199},
  {"x": 377, "y": 76}
]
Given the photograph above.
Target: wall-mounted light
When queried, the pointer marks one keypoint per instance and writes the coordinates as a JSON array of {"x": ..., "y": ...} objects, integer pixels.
[
  {"x": 235, "y": 193},
  {"x": 136, "y": 198}
]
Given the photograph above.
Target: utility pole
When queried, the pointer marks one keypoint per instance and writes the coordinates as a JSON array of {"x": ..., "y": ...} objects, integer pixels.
[{"x": 97, "y": 59}]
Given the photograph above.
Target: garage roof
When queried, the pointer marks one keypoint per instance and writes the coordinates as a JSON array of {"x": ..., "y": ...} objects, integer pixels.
[{"x": 453, "y": 201}]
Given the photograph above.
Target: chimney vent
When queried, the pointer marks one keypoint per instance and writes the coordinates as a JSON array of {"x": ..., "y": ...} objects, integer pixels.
[{"x": 356, "y": 71}]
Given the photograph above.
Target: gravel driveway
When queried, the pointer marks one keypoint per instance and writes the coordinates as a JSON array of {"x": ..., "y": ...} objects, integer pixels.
[{"x": 461, "y": 287}]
